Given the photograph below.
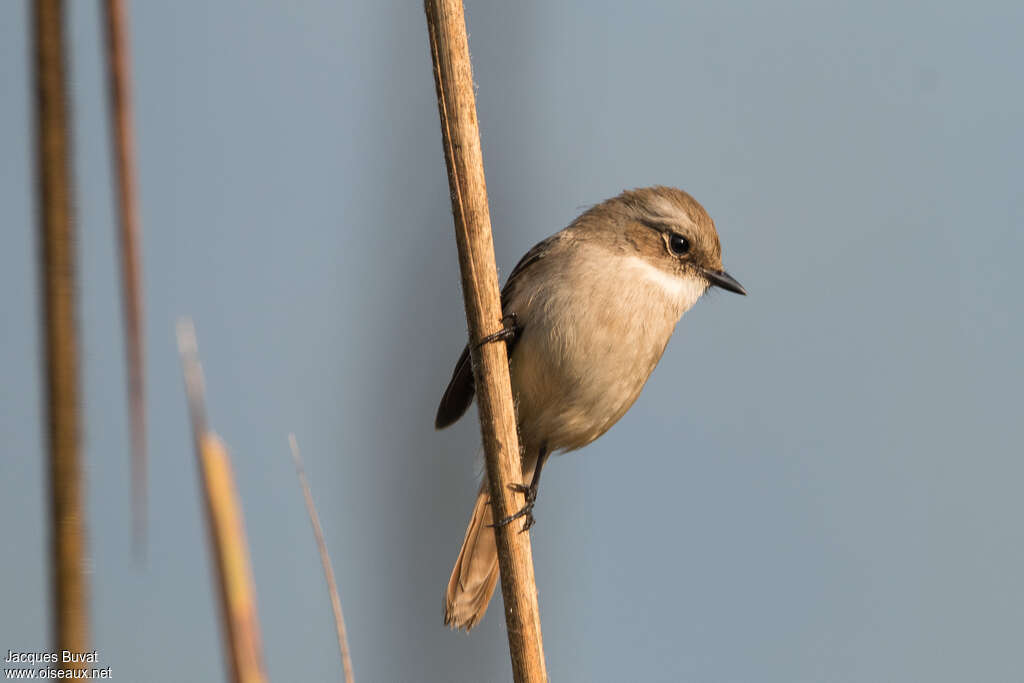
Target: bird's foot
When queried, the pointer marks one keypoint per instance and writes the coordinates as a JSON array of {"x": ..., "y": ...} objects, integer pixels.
[
  {"x": 526, "y": 511},
  {"x": 510, "y": 330}
]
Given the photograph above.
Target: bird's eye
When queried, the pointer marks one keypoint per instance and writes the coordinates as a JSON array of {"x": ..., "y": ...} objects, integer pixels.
[{"x": 678, "y": 244}]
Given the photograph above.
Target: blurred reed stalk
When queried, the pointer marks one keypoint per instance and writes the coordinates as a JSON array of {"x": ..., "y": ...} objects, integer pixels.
[
  {"x": 57, "y": 272},
  {"x": 123, "y": 138},
  {"x": 453, "y": 76},
  {"x": 325, "y": 560},
  {"x": 225, "y": 527}
]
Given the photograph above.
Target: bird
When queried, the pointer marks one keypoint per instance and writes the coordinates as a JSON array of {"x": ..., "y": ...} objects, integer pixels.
[{"x": 588, "y": 313}]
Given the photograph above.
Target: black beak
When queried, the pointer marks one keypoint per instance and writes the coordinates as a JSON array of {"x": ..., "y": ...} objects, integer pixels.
[{"x": 720, "y": 278}]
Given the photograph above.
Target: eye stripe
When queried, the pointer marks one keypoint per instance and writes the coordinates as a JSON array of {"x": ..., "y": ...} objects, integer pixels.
[
  {"x": 656, "y": 225},
  {"x": 678, "y": 244}
]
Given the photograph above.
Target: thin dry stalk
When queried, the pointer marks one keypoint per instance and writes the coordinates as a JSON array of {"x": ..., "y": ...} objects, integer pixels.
[
  {"x": 325, "y": 560},
  {"x": 456, "y": 101},
  {"x": 57, "y": 272},
  {"x": 123, "y": 135},
  {"x": 225, "y": 527}
]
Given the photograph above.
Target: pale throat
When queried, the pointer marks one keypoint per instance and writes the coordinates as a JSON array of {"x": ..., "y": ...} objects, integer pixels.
[{"x": 681, "y": 291}]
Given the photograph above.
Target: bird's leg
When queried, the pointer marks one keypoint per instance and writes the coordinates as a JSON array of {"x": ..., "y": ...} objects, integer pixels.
[
  {"x": 530, "y": 493},
  {"x": 510, "y": 330}
]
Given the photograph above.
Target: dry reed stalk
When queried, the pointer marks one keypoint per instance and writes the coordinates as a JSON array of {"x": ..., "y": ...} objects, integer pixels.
[
  {"x": 57, "y": 272},
  {"x": 123, "y": 135},
  {"x": 225, "y": 527},
  {"x": 456, "y": 101},
  {"x": 325, "y": 560}
]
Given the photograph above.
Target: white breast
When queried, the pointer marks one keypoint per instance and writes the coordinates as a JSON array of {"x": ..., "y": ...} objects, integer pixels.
[{"x": 595, "y": 325}]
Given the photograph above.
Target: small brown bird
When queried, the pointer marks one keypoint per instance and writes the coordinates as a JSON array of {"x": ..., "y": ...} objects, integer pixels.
[{"x": 590, "y": 311}]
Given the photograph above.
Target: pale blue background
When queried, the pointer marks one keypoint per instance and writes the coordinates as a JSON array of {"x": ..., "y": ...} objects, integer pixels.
[{"x": 821, "y": 482}]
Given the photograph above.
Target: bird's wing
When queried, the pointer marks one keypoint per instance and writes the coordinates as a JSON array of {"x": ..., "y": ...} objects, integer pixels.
[{"x": 459, "y": 394}]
